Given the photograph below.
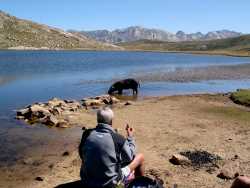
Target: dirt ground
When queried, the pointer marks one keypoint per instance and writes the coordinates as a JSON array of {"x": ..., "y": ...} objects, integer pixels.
[{"x": 168, "y": 125}]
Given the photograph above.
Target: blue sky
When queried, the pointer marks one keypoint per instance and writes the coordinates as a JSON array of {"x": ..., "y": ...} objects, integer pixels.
[{"x": 171, "y": 15}]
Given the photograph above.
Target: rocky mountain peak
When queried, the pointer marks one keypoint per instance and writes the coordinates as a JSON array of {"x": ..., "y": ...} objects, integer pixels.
[{"x": 134, "y": 33}]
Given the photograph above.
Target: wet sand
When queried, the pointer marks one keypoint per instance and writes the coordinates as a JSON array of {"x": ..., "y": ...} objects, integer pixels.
[
  {"x": 164, "y": 126},
  {"x": 188, "y": 74},
  {"x": 229, "y": 72}
]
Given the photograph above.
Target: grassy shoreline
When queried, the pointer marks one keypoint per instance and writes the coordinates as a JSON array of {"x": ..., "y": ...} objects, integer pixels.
[{"x": 213, "y": 53}]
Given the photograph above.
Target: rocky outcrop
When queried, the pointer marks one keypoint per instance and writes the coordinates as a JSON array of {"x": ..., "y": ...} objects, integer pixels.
[{"x": 49, "y": 113}]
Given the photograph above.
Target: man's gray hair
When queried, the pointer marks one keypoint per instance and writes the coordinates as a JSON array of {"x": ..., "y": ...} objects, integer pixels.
[{"x": 105, "y": 115}]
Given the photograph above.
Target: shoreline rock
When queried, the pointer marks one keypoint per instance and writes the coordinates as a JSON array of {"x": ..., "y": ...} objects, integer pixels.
[{"x": 99, "y": 101}]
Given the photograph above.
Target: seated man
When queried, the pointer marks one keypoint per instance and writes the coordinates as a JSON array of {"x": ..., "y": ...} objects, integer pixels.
[{"x": 107, "y": 157}]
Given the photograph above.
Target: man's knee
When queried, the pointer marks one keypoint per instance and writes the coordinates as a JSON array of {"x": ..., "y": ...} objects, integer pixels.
[{"x": 140, "y": 157}]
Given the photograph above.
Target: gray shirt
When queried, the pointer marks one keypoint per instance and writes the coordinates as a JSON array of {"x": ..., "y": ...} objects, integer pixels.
[{"x": 99, "y": 166}]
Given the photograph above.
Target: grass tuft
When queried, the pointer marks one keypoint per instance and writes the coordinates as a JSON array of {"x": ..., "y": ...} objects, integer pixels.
[{"x": 241, "y": 96}]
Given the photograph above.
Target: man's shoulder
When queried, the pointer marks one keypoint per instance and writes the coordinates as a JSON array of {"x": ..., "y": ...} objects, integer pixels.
[
  {"x": 87, "y": 132},
  {"x": 118, "y": 139}
]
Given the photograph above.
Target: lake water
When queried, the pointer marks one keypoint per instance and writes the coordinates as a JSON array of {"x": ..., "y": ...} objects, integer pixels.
[{"x": 32, "y": 76}]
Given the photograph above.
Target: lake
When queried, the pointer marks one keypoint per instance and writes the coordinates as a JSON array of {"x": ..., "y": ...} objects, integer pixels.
[{"x": 31, "y": 76}]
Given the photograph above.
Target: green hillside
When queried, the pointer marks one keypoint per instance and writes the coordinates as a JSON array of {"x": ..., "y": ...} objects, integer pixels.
[{"x": 19, "y": 33}]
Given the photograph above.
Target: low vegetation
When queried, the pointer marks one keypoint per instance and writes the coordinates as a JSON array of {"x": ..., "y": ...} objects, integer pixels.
[
  {"x": 241, "y": 96},
  {"x": 231, "y": 113},
  {"x": 239, "y": 46}
]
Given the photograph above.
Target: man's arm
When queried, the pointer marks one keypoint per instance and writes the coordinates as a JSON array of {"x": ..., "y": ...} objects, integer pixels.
[
  {"x": 85, "y": 135},
  {"x": 128, "y": 149}
]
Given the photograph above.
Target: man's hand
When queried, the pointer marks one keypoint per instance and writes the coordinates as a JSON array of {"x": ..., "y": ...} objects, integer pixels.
[{"x": 129, "y": 130}]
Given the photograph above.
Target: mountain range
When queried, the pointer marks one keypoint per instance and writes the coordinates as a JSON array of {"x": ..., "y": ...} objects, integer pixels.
[
  {"x": 17, "y": 33},
  {"x": 135, "y": 33}
]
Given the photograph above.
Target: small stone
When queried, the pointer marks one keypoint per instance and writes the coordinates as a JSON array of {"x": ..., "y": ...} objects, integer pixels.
[
  {"x": 178, "y": 159},
  {"x": 62, "y": 124},
  {"x": 236, "y": 157},
  {"x": 28, "y": 161},
  {"x": 230, "y": 170},
  {"x": 128, "y": 103},
  {"x": 39, "y": 178},
  {"x": 225, "y": 175},
  {"x": 66, "y": 153},
  {"x": 51, "y": 166}
]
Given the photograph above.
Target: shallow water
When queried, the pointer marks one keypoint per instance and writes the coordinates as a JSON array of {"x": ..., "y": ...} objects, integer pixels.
[{"x": 32, "y": 76}]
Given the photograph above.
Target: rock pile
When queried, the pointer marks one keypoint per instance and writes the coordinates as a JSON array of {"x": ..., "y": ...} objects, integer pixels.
[
  {"x": 48, "y": 113},
  {"x": 54, "y": 112},
  {"x": 99, "y": 101}
]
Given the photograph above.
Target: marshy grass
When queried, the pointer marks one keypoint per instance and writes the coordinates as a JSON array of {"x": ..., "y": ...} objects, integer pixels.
[
  {"x": 232, "y": 113},
  {"x": 241, "y": 96}
]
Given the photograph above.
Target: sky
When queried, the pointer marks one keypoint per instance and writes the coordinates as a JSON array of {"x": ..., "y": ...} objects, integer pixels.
[{"x": 171, "y": 15}]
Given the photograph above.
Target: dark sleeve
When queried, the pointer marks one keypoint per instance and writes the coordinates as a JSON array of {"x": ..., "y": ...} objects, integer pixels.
[{"x": 85, "y": 134}]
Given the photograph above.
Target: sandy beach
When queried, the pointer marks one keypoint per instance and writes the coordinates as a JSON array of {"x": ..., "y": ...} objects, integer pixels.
[{"x": 164, "y": 126}]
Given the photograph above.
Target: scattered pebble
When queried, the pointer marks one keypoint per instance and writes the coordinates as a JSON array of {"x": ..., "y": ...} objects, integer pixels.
[
  {"x": 51, "y": 166},
  {"x": 39, "y": 178},
  {"x": 66, "y": 153},
  {"x": 128, "y": 103}
]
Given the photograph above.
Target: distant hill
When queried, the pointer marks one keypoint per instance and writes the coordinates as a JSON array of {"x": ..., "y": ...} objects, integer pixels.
[
  {"x": 22, "y": 34},
  {"x": 231, "y": 46},
  {"x": 139, "y": 33}
]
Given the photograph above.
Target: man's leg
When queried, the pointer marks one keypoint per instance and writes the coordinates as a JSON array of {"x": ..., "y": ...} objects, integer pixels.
[
  {"x": 241, "y": 182},
  {"x": 137, "y": 165}
]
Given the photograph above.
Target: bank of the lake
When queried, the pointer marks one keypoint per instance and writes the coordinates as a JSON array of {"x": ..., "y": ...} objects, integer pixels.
[{"x": 164, "y": 126}]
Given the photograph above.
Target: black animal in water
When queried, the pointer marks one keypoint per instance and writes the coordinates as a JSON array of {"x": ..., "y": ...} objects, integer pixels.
[{"x": 124, "y": 84}]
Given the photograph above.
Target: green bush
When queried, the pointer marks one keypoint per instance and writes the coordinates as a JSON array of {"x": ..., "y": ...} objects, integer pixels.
[{"x": 241, "y": 96}]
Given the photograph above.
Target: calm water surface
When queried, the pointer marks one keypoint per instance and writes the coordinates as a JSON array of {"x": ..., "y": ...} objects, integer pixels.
[{"x": 32, "y": 76}]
